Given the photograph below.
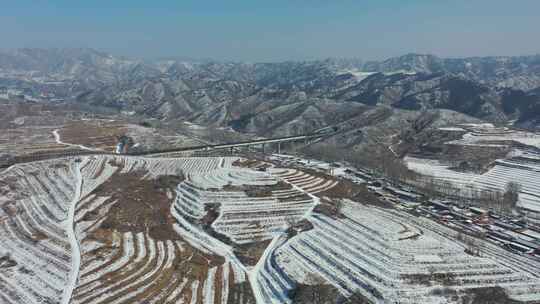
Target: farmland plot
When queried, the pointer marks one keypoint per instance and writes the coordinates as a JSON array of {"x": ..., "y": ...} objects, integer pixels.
[
  {"x": 35, "y": 200},
  {"x": 57, "y": 134},
  {"x": 487, "y": 134},
  {"x": 522, "y": 165},
  {"x": 387, "y": 257},
  {"x": 131, "y": 250},
  {"x": 119, "y": 229},
  {"x": 104, "y": 135},
  {"x": 125, "y": 229},
  {"x": 27, "y": 140},
  {"x": 305, "y": 181},
  {"x": 124, "y": 257},
  {"x": 523, "y": 170}
]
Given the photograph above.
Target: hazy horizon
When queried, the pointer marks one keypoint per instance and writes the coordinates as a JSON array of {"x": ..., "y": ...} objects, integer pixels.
[
  {"x": 209, "y": 59},
  {"x": 244, "y": 31}
]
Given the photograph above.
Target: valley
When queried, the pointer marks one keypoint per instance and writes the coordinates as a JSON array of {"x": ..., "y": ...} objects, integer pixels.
[
  {"x": 408, "y": 180},
  {"x": 246, "y": 228}
]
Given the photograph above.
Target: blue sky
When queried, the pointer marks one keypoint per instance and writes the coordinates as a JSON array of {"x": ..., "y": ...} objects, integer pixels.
[{"x": 275, "y": 30}]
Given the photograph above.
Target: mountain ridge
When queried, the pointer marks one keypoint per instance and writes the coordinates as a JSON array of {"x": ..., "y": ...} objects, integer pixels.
[{"x": 284, "y": 97}]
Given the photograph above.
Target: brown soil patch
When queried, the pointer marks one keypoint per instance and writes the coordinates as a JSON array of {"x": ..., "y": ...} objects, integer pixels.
[
  {"x": 252, "y": 164},
  {"x": 349, "y": 190},
  {"x": 98, "y": 134},
  {"x": 435, "y": 278},
  {"x": 197, "y": 266},
  {"x": 329, "y": 208},
  {"x": 487, "y": 295},
  {"x": 240, "y": 293},
  {"x": 104, "y": 237},
  {"x": 249, "y": 254},
  {"x": 212, "y": 213},
  {"x": 331, "y": 199},
  {"x": 142, "y": 205},
  {"x": 298, "y": 227},
  {"x": 246, "y": 163},
  {"x": 39, "y": 236},
  {"x": 258, "y": 191},
  {"x": 317, "y": 293}
]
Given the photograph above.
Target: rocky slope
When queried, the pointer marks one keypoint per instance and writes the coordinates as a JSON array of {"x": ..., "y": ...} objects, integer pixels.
[{"x": 279, "y": 98}]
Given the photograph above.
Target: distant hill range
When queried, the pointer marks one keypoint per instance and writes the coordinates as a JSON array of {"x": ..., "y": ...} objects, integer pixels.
[{"x": 283, "y": 98}]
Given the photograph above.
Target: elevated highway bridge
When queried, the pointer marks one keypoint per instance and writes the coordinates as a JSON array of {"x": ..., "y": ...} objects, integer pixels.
[{"x": 201, "y": 149}]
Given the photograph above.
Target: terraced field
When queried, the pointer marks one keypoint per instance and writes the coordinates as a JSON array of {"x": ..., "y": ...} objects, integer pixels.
[
  {"x": 489, "y": 135},
  {"x": 35, "y": 202},
  {"x": 26, "y": 140},
  {"x": 521, "y": 165},
  {"x": 390, "y": 256},
  {"x": 54, "y": 135},
  {"x": 118, "y": 229},
  {"x": 523, "y": 170}
]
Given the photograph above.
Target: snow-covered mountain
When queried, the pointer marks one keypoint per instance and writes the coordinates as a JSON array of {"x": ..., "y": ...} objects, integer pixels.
[{"x": 279, "y": 98}]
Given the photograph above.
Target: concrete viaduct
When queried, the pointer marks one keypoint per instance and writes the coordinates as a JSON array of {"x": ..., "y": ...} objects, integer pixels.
[{"x": 202, "y": 149}]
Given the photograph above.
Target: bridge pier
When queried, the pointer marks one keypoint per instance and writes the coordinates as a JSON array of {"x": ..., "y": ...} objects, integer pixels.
[
  {"x": 263, "y": 145},
  {"x": 194, "y": 151}
]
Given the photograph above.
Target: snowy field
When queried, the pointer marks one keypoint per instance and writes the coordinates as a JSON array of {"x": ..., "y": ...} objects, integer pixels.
[
  {"x": 526, "y": 173},
  {"x": 34, "y": 230},
  {"x": 360, "y": 253},
  {"x": 522, "y": 165},
  {"x": 60, "y": 245},
  {"x": 489, "y": 135}
]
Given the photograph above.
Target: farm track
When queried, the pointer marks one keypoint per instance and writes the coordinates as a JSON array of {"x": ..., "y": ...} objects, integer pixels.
[
  {"x": 139, "y": 267},
  {"x": 241, "y": 254},
  {"x": 524, "y": 172},
  {"x": 351, "y": 256},
  {"x": 204, "y": 150}
]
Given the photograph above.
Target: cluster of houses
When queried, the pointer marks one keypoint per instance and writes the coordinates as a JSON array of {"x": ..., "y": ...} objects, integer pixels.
[
  {"x": 513, "y": 233},
  {"x": 510, "y": 232}
]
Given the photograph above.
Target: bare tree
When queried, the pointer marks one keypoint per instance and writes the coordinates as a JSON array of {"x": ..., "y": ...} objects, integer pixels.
[
  {"x": 497, "y": 198},
  {"x": 473, "y": 246},
  {"x": 446, "y": 188},
  {"x": 511, "y": 194},
  {"x": 430, "y": 186},
  {"x": 338, "y": 207},
  {"x": 290, "y": 221}
]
